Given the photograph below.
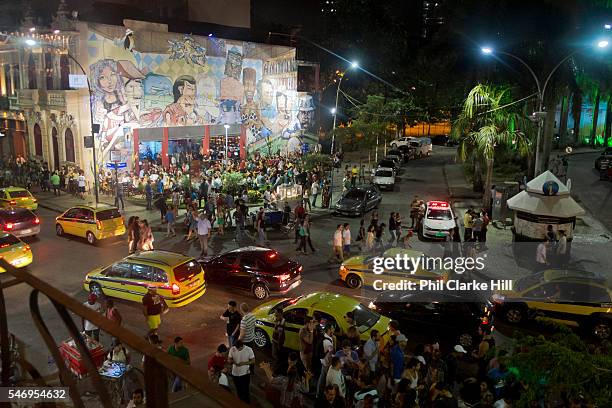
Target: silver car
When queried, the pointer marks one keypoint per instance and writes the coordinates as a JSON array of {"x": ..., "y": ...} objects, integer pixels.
[{"x": 20, "y": 222}]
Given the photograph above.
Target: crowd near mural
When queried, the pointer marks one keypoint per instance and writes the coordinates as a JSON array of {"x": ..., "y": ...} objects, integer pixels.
[{"x": 198, "y": 81}]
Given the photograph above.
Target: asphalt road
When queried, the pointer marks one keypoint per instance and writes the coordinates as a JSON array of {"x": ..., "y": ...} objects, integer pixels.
[
  {"x": 63, "y": 262},
  {"x": 594, "y": 194}
]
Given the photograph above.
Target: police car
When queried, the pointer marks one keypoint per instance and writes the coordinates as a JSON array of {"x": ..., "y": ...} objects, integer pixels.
[{"x": 439, "y": 218}]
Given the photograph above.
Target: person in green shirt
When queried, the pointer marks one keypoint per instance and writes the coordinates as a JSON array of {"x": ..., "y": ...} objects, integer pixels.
[
  {"x": 55, "y": 183},
  {"x": 178, "y": 349}
]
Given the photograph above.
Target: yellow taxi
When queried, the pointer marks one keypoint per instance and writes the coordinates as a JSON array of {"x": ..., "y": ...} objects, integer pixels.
[
  {"x": 179, "y": 279},
  {"x": 18, "y": 197},
  {"x": 325, "y": 308},
  {"x": 570, "y": 297},
  {"x": 360, "y": 270},
  {"x": 91, "y": 222},
  {"x": 14, "y": 251}
]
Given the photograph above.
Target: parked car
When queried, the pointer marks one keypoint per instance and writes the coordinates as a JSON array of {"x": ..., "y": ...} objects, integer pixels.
[
  {"x": 401, "y": 141},
  {"x": 389, "y": 163},
  {"x": 422, "y": 146},
  {"x": 358, "y": 200},
  {"x": 605, "y": 155},
  {"x": 384, "y": 178},
  {"x": 20, "y": 222},
  {"x": 396, "y": 158},
  {"x": 261, "y": 271},
  {"x": 454, "y": 318},
  {"x": 18, "y": 197},
  {"x": 408, "y": 151}
]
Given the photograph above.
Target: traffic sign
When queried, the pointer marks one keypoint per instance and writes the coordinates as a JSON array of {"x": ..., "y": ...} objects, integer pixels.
[
  {"x": 121, "y": 165},
  {"x": 568, "y": 149},
  {"x": 115, "y": 156}
]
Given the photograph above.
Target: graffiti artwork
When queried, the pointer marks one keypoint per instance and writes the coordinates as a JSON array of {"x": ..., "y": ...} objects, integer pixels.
[
  {"x": 235, "y": 83},
  {"x": 188, "y": 50}
]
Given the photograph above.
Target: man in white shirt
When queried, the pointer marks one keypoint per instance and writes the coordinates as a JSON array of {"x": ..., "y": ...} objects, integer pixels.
[
  {"x": 346, "y": 240},
  {"x": 89, "y": 328},
  {"x": 541, "y": 261},
  {"x": 327, "y": 353},
  {"x": 204, "y": 228},
  {"x": 337, "y": 243},
  {"x": 371, "y": 349},
  {"x": 561, "y": 251},
  {"x": 81, "y": 185},
  {"x": 335, "y": 376},
  {"x": 241, "y": 357},
  {"x": 314, "y": 191}
]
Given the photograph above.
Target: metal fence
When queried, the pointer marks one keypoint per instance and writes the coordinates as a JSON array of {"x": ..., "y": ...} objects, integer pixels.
[{"x": 157, "y": 363}]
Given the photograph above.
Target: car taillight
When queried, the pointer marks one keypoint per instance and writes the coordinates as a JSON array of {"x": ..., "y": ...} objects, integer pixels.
[
  {"x": 36, "y": 220},
  {"x": 343, "y": 268},
  {"x": 485, "y": 320},
  {"x": 284, "y": 277},
  {"x": 99, "y": 224},
  {"x": 301, "y": 268},
  {"x": 26, "y": 248},
  {"x": 8, "y": 226},
  {"x": 12, "y": 202},
  {"x": 34, "y": 200},
  {"x": 175, "y": 289}
]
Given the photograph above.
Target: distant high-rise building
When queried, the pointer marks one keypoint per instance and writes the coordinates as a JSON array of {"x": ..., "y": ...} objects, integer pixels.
[{"x": 329, "y": 6}]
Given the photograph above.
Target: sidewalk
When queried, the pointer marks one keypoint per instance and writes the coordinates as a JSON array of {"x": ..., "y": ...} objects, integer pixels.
[{"x": 458, "y": 185}]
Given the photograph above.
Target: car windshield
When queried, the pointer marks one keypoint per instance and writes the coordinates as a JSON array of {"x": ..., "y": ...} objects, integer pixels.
[
  {"x": 273, "y": 259},
  {"x": 436, "y": 214},
  {"x": 364, "y": 318},
  {"x": 355, "y": 194},
  {"x": 19, "y": 193},
  {"x": 8, "y": 240},
  {"x": 384, "y": 173},
  {"x": 386, "y": 163},
  {"x": 108, "y": 214},
  {"x": 187, "y": 270},
  {"x": 285, "y": 303},
  {"x": 414, "y": 144}
]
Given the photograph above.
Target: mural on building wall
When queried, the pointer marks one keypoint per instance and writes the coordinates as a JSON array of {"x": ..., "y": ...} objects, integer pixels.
[{"x": 199, "y": 81}]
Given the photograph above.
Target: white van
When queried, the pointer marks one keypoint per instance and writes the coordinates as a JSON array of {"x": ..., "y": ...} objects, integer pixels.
[{"x": 421, "y": 145}]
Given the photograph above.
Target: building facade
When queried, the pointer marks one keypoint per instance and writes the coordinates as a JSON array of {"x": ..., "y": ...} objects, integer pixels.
[{"x": 154, "y": 94}]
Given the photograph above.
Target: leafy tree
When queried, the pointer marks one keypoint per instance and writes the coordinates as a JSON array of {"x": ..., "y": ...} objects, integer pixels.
[
  {"x": 232, "y": 182},
  {"x": 487, "y": 122}
]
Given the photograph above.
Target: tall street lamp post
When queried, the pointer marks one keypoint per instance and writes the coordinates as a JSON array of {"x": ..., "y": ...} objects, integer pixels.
[
  {"x": 32, "y": 43},
  {"x": 540, "y": 114},
  {"x": 226, "y": 126},
  {"x": 334, "y": 112}
]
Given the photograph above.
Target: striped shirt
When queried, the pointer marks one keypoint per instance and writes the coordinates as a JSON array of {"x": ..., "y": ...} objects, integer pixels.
[{"x": 247, "y": 325}]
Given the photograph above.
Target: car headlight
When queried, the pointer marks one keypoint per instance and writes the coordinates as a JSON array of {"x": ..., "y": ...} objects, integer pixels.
[
  {"x": 498, "y": 298},
  {"x": 372, "y": 306}
]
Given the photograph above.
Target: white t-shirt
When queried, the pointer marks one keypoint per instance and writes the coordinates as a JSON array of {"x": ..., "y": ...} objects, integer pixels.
[
  {"x": 203, "y": 226},
  {"x": 335, "y": 377},
  {"x": 241, "y": 356},
  {"x": 346, "y": 237},
  {"x": 81, "y": 180},
  {"x": 96, "y": 307},
  {"x": 338, "y": 238},
  {"x": 314, "y": 188}
]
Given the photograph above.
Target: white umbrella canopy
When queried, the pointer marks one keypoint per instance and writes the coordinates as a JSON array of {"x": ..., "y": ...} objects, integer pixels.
[{"x": 561, "y": 206}]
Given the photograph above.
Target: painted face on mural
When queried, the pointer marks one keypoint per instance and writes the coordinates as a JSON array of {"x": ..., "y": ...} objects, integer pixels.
[
  {"x": 267, "y": 93},
  {"x": 108, "y": 80},
  {"x": 188, "y": 89},
  {"x": 133, "y": 91}
]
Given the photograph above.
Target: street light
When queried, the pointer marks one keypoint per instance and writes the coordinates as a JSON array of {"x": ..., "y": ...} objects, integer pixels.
[
  {"x": 31, "y": 43},
  {"x": 608, "y": 26},
  {"x": 226, "y": 126},
  {"x": 334, "y": 112},
  {"x": 541, "y": 91}
]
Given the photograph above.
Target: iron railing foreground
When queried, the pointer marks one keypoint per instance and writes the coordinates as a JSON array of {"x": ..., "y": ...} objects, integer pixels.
[{"x": 157, "y": 363}]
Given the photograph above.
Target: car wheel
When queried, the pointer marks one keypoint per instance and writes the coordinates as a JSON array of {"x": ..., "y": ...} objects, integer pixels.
[
  {"x": 96, "y": 289},
  {"x": 260, "y": 291},
  {"x": 91, "y": 238},
  {"x": 59, "y": 231},
  {"x": 514, "y": 315},
  {"x": 466, "y": 340},
  {"x": 353, "y": 281},
  {"x": 261, "y": 338},
  {"x": 602, "y": 330}
]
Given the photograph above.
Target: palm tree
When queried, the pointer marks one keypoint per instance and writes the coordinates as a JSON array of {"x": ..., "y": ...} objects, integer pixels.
[{"x": 488, "y": 120}]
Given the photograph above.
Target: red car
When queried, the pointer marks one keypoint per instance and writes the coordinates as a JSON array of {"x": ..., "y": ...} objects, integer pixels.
[{"x": 262, "y": 271}]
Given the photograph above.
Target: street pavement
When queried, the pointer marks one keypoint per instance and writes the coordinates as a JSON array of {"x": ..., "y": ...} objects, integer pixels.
[{"x": 63, "y": 262}]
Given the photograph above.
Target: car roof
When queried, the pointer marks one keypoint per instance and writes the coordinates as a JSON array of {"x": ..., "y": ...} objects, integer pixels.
[
  {"x": 431, "y": 296},
  {"x": 166, "y": 258},
  {"x": 384, "y": 168},
  {"x": 95, "y": 207},
  {"x": 14, "y": 210},
  {"x": 251, "y": 248},
  {"x": 13, "y": 188},
  {"x": 326, "y": 301}
]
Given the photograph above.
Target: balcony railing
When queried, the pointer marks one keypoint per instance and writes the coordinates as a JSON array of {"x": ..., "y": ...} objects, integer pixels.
[
  {"x": 27, "y": 97},
  {"x": 56, "y": 98},
  {"x": 157, "y": 363}
]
